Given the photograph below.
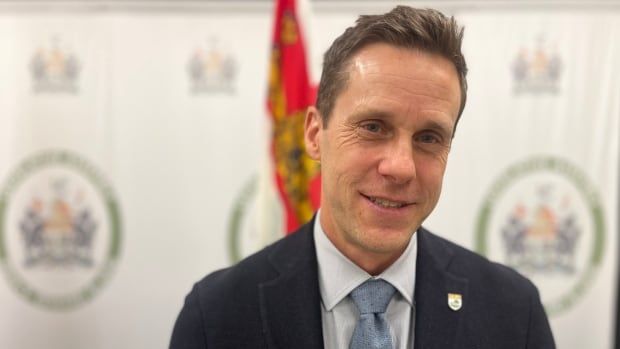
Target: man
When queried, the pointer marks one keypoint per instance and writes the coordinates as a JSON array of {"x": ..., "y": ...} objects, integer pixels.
[{"x": 364, "y": 273}]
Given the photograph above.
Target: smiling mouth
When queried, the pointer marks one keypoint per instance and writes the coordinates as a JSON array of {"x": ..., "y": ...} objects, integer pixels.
[{"x": 386, "y": 203}]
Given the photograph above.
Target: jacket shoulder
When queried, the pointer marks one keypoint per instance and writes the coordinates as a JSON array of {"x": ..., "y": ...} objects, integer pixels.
[
  {"x": 237, "y": 280},
  {"x": 236, "y": 287},
  {"x": 481, "y": 271},
  {"x": 502, "y": 304},
  {"x": 226, "y": 302}
]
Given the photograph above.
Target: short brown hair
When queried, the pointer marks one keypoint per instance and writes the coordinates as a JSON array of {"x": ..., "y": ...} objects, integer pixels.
[{"x": 425, "y": 29}]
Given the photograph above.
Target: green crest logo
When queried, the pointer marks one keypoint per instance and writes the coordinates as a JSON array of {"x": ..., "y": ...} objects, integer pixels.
[
  {"x": 60, "y": 230},
  {"x": 255, "y": 221},
  {"x": 544, "y": 218}
]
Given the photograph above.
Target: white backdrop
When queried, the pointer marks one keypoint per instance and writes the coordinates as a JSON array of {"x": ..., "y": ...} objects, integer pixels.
[
  {"x": 159, "y": 109},
  {"x": 564, "y": 126}
]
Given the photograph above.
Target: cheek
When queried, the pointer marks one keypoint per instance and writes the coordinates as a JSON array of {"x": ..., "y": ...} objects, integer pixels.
[
  {"x": 344, "y": 181},
  {"x": 356, "y": 164},
  {"x": 349, "y": 176},
  {"x": 430, "y": 174}
]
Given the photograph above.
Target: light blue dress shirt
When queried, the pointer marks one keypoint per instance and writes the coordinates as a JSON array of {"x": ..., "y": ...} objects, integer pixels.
[{"x": 338, "y": 276}]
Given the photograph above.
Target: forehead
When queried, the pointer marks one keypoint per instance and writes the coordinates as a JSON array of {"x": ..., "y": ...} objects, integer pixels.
[{"x": 408, "y": 76}]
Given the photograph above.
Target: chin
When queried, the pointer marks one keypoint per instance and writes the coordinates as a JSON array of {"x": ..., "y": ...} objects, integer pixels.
[{"x": 387, "y": 240}]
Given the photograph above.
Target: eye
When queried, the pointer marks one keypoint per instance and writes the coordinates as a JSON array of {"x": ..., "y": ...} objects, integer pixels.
[
  {"x": 373, "y": 129},
  {"x": 372, "y": 126},
  {"x": 428, "y": 138}
]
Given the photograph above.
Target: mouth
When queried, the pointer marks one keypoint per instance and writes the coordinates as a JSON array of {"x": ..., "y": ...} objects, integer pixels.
[{"x": 387, "y": 203}]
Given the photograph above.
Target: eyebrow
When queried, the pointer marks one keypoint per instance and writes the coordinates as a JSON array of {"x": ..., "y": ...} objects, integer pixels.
[{"x": 365, "y": 112}]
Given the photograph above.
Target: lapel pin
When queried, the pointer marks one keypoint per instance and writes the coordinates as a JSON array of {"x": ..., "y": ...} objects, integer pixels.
[{"x": 455, "y": 301}]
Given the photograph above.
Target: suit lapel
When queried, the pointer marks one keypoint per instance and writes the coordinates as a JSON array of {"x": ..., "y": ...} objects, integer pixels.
[
  {"x": 290, "y": 304},
  {"x": 436, "y": 324}
]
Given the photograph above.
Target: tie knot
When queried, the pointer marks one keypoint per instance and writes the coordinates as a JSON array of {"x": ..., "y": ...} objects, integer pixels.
[{"x": 373, "y": 296}]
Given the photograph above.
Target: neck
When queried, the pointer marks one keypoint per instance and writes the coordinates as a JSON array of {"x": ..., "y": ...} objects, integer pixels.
[
  {"x": 374, "y": 265},
  {"x": 372, "y": 262}
]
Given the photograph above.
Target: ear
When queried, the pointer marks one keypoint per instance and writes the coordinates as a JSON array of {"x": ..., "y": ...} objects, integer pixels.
[{"x": 313, "y": 127}]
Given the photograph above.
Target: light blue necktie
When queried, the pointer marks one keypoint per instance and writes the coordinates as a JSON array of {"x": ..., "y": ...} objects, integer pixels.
[{"x": 372, "y": 330}]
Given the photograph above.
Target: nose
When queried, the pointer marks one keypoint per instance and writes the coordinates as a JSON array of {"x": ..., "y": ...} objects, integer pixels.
[{"x": 398, "y": 164}]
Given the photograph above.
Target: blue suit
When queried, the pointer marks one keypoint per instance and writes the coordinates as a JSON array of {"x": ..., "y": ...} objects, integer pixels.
[{"x": 271, "y": 300}]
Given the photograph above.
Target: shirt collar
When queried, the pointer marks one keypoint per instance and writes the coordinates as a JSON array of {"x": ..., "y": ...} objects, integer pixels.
[{"x": 338, "y": 275}]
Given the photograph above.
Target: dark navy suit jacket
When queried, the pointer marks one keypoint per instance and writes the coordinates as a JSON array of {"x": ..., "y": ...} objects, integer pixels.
[{"x": 271, "y": 300}]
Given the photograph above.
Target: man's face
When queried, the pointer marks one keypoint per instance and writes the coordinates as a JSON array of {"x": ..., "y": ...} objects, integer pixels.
[{"x": 385, "y": 148}]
